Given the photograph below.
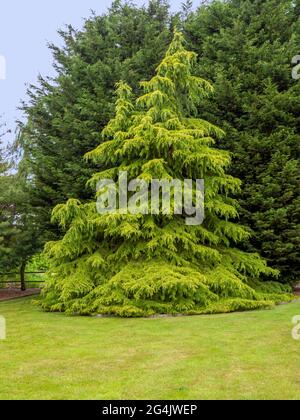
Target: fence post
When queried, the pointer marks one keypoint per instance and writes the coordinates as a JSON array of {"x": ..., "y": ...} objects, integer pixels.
[{"x": 22, "y": 276}]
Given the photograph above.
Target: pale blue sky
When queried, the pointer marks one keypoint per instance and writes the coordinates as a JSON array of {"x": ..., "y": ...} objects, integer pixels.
[{"x": 25, "y": 29}]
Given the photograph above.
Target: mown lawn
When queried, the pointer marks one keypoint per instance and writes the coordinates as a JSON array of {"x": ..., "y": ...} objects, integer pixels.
[{"x": 236, "y": 356}]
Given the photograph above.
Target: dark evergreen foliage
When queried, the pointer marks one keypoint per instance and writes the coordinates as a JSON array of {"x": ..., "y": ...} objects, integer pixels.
[{"x": 245, "y": 49}]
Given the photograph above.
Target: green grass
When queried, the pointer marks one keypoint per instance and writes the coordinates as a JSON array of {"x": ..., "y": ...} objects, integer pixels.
[{"x": 247, "y": 355}]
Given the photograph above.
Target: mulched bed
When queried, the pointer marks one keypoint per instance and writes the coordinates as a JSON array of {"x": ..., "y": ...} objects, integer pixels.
[
  {"x": 297, "y": 290},
  {"x": 7, "y": 294}
]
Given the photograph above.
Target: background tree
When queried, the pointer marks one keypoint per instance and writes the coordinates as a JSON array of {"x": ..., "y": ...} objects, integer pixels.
[
  {"x": 186, "y": 9},
  {"x": 246, "y": 49},
  {"x": 19, "y": 238},
  {"x": 66, "y": 114},
  {"x": 7, "y": 232}
]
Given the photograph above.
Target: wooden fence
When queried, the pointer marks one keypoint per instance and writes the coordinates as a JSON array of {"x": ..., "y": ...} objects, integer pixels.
[{"x": 5, "y": 282}]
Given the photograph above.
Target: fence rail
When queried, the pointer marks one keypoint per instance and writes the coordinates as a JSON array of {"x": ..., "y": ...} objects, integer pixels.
[
  {"x": 19, "y": 281},
  {"x": 8, "y": 281},
  {"x": 26, "y": 272}
]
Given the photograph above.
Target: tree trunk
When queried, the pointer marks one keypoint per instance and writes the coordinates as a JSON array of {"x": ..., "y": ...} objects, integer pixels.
[{"x": 22, "y": 276}]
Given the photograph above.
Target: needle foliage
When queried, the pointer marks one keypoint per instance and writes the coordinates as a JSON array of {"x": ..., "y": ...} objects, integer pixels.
[{"x": 144, "y": 264}]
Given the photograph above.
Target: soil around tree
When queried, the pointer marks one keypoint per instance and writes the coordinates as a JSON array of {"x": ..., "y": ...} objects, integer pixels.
[{"x": 8, "y": 294}]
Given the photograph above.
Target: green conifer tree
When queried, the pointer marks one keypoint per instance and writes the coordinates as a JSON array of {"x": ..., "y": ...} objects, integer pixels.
[
  {"x": 65, "y": 115},
  {"x": 246, "y": 48},
  {"x": 6, "y": 228},
  {"x": 19, "y": 237},
  {"x": 137, "y": 264}
]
